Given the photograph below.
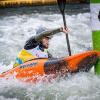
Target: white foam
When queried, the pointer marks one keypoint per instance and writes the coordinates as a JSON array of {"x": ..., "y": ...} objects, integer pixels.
[{"x": 15, "y": 30}]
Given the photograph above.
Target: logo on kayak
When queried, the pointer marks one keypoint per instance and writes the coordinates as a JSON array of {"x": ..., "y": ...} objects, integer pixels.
[{"x": 29, "y": 65}]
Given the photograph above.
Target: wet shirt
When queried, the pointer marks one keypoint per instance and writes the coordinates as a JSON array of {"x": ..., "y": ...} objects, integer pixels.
[
  {"x": 32, "y": 50},
  {"x": 35, "y": 48}
]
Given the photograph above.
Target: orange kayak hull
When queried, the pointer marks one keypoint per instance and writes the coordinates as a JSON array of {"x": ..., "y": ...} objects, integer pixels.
[{"x": 41, "y": 67}]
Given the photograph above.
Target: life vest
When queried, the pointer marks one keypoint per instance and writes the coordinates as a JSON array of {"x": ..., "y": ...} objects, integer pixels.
[
  {"x": 38, "y": 52},
  {"x": 25, "y": 55}
]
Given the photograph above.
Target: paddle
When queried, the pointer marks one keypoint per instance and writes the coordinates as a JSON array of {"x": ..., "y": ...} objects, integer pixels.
[{"x": 61, "y": 4}]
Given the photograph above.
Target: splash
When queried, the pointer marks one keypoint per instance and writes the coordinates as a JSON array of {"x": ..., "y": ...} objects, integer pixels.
[
  {"x": 15, "y": 30},
  {"x": 81, "y": 86}
]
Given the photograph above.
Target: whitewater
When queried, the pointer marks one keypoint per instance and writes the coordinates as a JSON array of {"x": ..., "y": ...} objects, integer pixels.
[{"x": 16, "y": 29}]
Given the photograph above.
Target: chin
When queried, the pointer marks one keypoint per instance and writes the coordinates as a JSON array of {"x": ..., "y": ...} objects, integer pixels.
[{"x": 46, "y": 47}]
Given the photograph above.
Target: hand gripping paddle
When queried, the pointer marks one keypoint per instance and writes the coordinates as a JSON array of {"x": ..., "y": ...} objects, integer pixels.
[{"x": 61, "y": 4}]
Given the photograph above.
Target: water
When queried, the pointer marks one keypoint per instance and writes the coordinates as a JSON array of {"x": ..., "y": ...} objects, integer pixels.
[
  {"x": 95, "y": 8},
  {"x": 82, "y": 86},
  {"x": 16, "y": 28}
]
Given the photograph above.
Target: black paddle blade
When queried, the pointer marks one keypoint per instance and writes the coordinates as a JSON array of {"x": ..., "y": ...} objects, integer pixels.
[{"x": 61, "y": 4}]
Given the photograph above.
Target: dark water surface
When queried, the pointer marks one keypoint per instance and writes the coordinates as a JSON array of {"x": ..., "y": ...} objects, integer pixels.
[{"x": 70, "y": 9}]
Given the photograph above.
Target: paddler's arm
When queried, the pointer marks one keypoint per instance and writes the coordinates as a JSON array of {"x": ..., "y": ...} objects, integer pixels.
[
  {"x": 47, "y": 33},
  {"x": 33, "y": 41}
]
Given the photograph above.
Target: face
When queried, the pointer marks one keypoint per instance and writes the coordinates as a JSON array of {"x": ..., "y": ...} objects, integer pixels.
[{"x": 45, "y": 42}]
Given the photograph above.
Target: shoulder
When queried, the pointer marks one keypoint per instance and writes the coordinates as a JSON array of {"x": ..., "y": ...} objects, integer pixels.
[{"x": 31, "y": 43}]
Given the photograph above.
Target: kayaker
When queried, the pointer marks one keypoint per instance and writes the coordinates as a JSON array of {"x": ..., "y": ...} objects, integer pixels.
[{"x": 37, "y": 46}]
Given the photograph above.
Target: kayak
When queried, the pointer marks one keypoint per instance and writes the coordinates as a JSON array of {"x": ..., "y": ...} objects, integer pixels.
[{"x": 29, "y": 71}]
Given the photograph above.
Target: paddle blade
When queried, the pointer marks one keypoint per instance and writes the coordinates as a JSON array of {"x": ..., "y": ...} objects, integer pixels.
[{"x": 61, "y": 4}]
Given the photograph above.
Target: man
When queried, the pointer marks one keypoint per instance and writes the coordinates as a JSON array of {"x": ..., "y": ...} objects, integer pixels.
[{"x": 37, "y": 46}]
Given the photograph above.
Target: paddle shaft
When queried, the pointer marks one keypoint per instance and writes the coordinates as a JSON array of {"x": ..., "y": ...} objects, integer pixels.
[
  {"x": 61, "y": 4},
  {"x": 67, "y": 38}
]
